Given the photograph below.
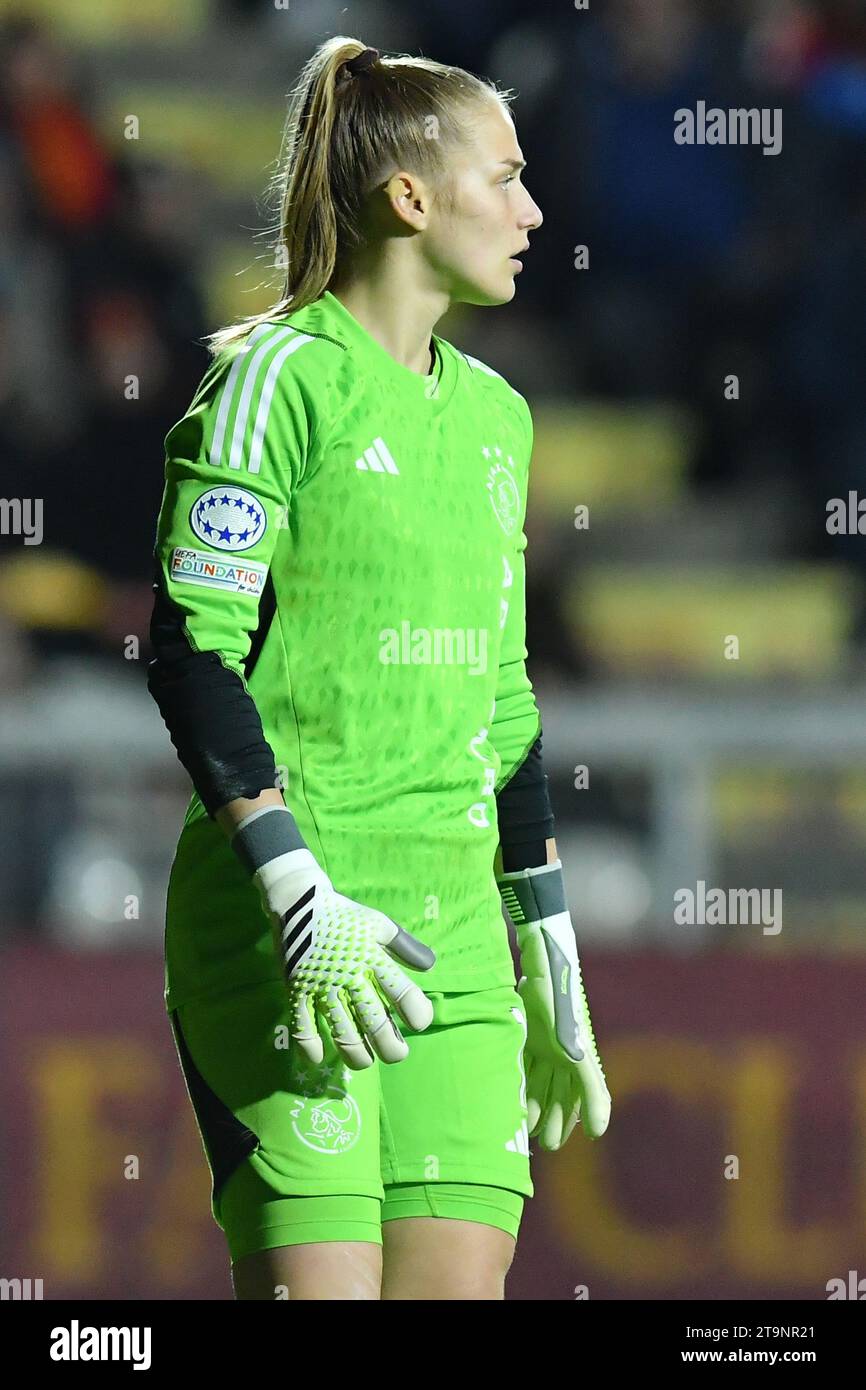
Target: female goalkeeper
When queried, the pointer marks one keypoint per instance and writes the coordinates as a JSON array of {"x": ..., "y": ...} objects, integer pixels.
[{"x": 339, "y": 658}]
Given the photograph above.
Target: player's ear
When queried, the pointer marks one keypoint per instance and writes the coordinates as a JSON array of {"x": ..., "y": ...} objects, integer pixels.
[{"x": 406, "y": 199}]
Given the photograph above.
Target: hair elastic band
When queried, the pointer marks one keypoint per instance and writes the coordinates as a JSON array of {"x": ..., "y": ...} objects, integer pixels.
[{"x": 362, "y": 61}]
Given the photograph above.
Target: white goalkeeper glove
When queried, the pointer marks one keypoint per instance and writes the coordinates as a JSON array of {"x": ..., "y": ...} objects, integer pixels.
[
  {"x": 564, "y": 1077},
  {"x": 335, "y": 955}
]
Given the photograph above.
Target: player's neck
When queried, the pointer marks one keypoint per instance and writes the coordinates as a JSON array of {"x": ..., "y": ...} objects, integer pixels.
[{"x": 400, "y": 315}]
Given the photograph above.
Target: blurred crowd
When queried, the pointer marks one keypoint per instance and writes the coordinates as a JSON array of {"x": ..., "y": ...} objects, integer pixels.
[{"x": 702, "y": 262}]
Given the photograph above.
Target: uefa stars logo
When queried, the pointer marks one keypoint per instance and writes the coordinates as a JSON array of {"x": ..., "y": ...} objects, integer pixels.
[{"x": 228, "y": 518}]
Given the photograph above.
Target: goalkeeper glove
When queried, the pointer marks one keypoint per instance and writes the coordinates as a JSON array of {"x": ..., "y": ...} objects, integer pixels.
[
  {"x": 564, "y": 1077},
  {"x": 334, "y": 951}
]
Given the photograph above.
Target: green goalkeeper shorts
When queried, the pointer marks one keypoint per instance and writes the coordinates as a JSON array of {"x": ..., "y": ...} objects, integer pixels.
[{"x": 299, "y": 1153}]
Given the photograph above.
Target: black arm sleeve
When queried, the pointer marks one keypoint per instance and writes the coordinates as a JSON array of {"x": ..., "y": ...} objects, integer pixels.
[
  {"x": 211, "y": 718},
  {"x": 525, "y": 814}
]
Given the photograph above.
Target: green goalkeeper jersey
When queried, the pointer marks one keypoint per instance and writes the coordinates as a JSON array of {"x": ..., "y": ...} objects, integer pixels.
[{"x": 348, "y": 536}]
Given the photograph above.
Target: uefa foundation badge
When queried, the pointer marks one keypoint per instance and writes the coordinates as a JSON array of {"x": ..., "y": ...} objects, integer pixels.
[{"x": 228, "y": 518}]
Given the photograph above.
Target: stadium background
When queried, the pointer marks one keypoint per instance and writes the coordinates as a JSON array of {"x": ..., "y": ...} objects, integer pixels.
[{"x": 707, "y": 518}]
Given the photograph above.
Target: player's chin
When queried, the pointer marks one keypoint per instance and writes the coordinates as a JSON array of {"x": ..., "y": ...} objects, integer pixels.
[
  {"x": 499, "y": 292},
  {"x": 509, "y": 282}
]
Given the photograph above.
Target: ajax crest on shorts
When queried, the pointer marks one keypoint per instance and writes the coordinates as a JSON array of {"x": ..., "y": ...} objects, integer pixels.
[{"x": 331, "y": 1124}]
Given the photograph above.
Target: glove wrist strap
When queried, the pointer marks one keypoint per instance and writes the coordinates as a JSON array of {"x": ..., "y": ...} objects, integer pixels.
[
  {"x": 531, "y": 895},
  {"x": 266, "y": 835}
]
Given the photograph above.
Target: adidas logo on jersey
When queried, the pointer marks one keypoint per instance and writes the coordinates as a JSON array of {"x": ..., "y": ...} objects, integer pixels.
[
  {"x": 377, "y": 459},
  {"x": 520, "y": 1143}
]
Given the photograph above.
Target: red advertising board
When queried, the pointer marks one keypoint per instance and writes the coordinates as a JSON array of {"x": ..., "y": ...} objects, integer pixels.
[{"x": 733, "y": 1165}]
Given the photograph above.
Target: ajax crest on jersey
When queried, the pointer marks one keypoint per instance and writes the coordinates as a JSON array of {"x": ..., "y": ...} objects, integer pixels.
[
  {"x": 504, "y": 496},
  {"x": 228, "y": 518}
]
